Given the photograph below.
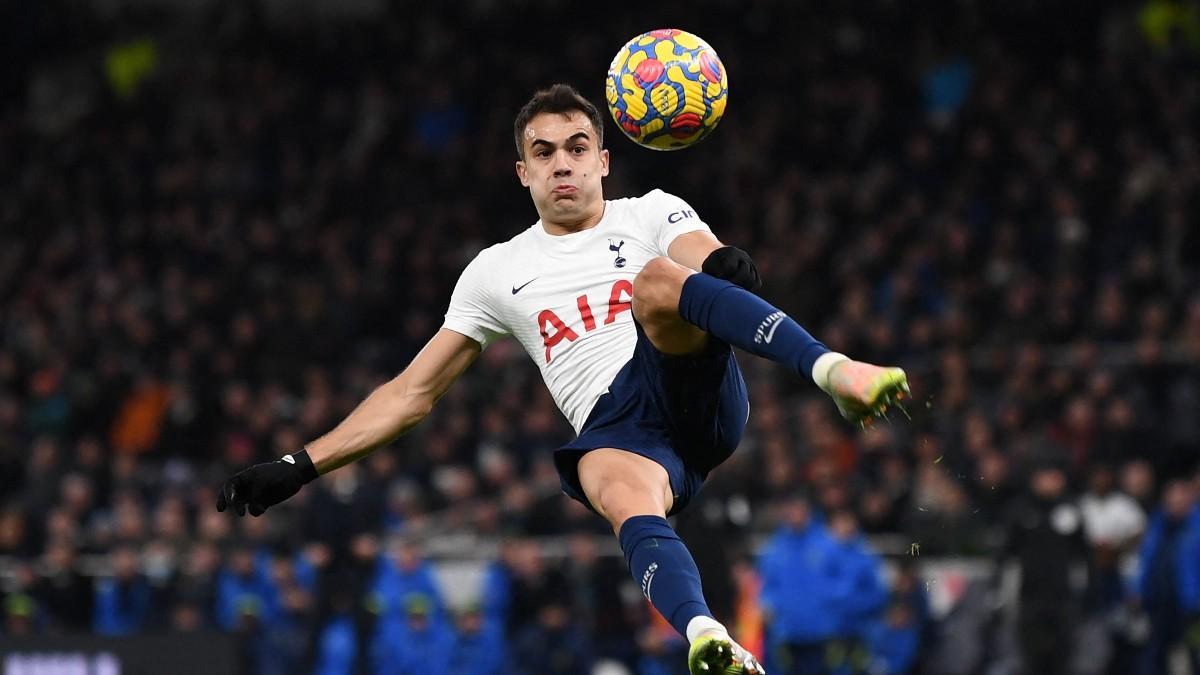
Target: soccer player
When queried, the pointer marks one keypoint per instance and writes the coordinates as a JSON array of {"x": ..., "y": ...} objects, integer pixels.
[{"x": 629, "y": 308}]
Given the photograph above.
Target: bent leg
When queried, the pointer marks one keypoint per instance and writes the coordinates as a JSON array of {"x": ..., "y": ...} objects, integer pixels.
[
  {"x": 678, "y": 307},
  {"x": 666, "y": 294},
  {"x": 655, "y": 304}
]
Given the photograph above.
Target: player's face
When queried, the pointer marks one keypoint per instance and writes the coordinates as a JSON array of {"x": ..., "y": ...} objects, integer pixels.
[{"x": 563, "y": 167}]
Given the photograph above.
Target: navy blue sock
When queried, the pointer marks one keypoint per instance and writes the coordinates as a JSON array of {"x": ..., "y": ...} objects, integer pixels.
[
  {"x": 664, "y": 569},
  {"x": 745, "y": 320}
]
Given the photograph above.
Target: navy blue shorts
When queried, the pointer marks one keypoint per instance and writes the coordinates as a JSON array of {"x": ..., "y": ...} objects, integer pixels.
[{"x": 685, "y": 412}]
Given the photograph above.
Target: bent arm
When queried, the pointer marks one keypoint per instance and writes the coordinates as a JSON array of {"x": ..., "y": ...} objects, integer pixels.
[
  {"x": 398, "y": 405},
  {"x": 691, "y": 248}
]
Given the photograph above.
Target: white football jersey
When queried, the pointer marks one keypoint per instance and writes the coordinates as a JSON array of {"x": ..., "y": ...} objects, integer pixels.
[{"x": 566, "y": 298}]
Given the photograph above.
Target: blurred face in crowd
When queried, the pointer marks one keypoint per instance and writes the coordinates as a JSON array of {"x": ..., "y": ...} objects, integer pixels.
[
  {"x": 554, "y": 616},
  {"x": 1137, "y": 479},
  {"x": 563, "y": 167},
  {"x": 796, "y": 514},
  {"x": 407, "y": 556},
  {"x": 1178, "y": 498},
  {"x": 1101, "y": 481},
  {"x": 186, "y": 617},
  {"x": 583, "y": 549},
  {"x": 241, "y": 561},
  {"x": 364, "y": 548},
  {"x": 843, "y": 525},
  {"x": 1048, "y": 483},
  {"x": 125, "y": 563},
  {"x": 203, "y": 559},
  {"x": 60, "y": 557},
  {"x": 469, "y": 622}
]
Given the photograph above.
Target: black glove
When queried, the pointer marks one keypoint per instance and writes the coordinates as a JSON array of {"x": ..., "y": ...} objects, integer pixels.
[
  {"x": 265, "y": 485},
  {"x": 733, "y": 265}
]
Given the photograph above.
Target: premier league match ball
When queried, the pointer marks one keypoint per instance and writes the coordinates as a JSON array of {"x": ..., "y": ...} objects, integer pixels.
[{"x": 666, "y": 89}]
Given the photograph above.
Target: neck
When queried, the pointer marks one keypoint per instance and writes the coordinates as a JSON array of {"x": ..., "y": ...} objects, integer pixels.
[{"x": 561, "y": 227}]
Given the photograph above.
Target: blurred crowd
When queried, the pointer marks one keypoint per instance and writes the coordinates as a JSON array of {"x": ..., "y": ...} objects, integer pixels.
[{"x": 219, "y": 231}]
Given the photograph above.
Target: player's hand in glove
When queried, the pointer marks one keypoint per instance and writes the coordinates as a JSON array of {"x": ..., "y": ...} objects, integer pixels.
[
  {"x": 264, "y": 485},
  {"x": 733, "y": 265}
]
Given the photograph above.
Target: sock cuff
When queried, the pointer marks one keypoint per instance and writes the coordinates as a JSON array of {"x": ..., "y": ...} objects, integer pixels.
[
  {"x": 822, "y": 366},
  {"x": 701, "y": 624},
  {"x": 639, "y": 528}
]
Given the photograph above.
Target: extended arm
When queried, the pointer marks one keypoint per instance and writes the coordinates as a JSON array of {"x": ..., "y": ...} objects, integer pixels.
[
  {"x": 390, "y": 411},
  {"x": 398, "y": 405}
]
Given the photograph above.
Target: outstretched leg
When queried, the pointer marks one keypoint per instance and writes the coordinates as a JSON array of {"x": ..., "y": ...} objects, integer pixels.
[
  {"x": 678, "y": 308},
  {"x": 634, "y": 494}
]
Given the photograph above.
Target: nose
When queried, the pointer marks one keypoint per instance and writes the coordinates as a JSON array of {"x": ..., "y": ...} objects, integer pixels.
[{"x": 561, "y": 166}]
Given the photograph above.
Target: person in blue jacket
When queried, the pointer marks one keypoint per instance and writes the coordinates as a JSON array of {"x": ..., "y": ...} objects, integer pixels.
[
  {"x": 893, "y": 640},
  {"x": 338, "y": 644},
  {"x": 241, "y": 581},
  {"x": 856, "y": 591},
  {"x": 414, "y": 645},
  {"x": 122, "y": 600},
  {"x": 1169, "y": 582},
  {"x": 479, "y": 645},
  {"x": 401, "y": 574},
  {"x": 801, "y": 619}
]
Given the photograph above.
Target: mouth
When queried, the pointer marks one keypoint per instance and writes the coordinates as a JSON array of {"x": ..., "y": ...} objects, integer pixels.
[{"x": 565, "y": 189}]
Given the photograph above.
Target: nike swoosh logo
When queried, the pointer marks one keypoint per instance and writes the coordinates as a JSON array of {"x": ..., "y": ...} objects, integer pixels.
[
  {"x": 517, "y": 289},
  {"x": 289, "y": 459},
  {"x": 770, "y": 333}
]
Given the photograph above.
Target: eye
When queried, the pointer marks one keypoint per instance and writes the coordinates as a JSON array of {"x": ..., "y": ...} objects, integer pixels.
[{"x": 578, "y": 150}]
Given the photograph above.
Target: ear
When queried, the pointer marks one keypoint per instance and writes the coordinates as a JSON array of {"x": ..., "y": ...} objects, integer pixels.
[
  {"x": 604, "y": 162},
  {"x": 522, "y": 173}
]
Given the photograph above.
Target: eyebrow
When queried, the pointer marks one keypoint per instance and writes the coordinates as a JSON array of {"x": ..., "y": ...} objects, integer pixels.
[{"x": 578, "y": 134}]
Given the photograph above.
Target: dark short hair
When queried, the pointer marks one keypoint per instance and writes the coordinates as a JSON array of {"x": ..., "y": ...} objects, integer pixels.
[{"x": 559, "y": 98}]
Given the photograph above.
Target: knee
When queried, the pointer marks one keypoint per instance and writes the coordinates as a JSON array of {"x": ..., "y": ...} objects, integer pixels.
[
  {"x": 619, "y": 500},
  {"x": 656, "y": 290}
]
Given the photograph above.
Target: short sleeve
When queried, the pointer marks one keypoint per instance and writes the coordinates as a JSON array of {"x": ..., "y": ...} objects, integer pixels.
[
  {"x": 669, "y": 216},
  {"x": 472, "y": 311}
]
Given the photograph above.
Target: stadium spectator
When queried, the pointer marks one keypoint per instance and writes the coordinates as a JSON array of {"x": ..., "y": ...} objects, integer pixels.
[
  {"x": 122, "y": 601},
  {"x": 412, "y": 642},
  {"x": 402, "y": 574},
  {"x": 896, "y": 638},
  {"x": 479, "y": 646},
  {"x": 1112, "y": 523},
  {"x": 63, "y": 592},
  {"x": 1044, "y": 535},
  {"x": 1169, "y": 583},
  {"x": 554, "y": 642},
  {"x": 598, "y": 599},
  {"x": 19, "y": 615},
  {"x": 802, "y": 624},
  {"x": 338, "y": 647},
  {"x": 243, "y": 587},
  {"x": 855, "y": 592},
  {"x": 892, "y": 642}
]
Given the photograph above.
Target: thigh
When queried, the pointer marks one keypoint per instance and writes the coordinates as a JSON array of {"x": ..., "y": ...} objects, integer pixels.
[
  {"x": 655, "y": 304},
  {"x": 621, "y": 484}
]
